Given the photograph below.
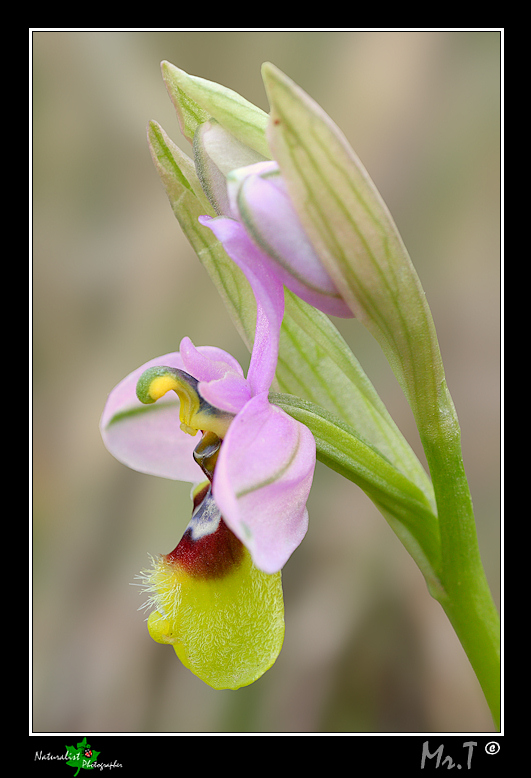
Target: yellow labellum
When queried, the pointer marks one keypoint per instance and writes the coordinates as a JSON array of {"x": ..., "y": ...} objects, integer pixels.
[{"x": 227, "y": 629}]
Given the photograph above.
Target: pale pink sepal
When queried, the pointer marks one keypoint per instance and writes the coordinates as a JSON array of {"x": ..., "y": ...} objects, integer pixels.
[
  {"x": 148, "y": 438},
  {"x": 262, "y": 481}
]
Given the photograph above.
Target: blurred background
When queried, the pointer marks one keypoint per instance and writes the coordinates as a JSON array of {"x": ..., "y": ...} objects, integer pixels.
[{"x": 115, "y": 283}]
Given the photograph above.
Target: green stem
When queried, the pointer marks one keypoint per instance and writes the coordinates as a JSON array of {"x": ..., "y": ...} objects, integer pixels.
[{"x": 465, "y": 595}]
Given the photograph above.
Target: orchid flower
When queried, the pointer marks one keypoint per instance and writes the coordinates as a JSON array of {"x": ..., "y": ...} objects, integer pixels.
[
  {"x": 266, "y": 223},
  {"x": 222, "y": 581}
]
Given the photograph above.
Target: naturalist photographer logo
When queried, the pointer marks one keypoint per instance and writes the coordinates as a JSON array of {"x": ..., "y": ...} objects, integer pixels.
[{"x": 81, "y": 757}]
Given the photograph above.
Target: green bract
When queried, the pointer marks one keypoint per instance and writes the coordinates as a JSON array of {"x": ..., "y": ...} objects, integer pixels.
[
  {"x": 353, "y": 232},
  {"x": 197, "y": 100}
]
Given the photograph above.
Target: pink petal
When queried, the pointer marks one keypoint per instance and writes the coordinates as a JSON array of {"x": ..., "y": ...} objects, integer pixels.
[
  {"x": 262, "y": 481},
  {"x": 268, "y": 292},
  {"x": 207, "y": 363},
  {"x": 221, "y": 379},
  {"x": 148, "y": 438},
  {"x": 229, "y": 393}
]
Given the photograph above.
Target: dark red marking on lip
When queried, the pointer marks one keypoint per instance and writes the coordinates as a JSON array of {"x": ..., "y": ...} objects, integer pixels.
[
  {"x": 210, "y": 556},
  {"x": 208, "y": 548}
]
